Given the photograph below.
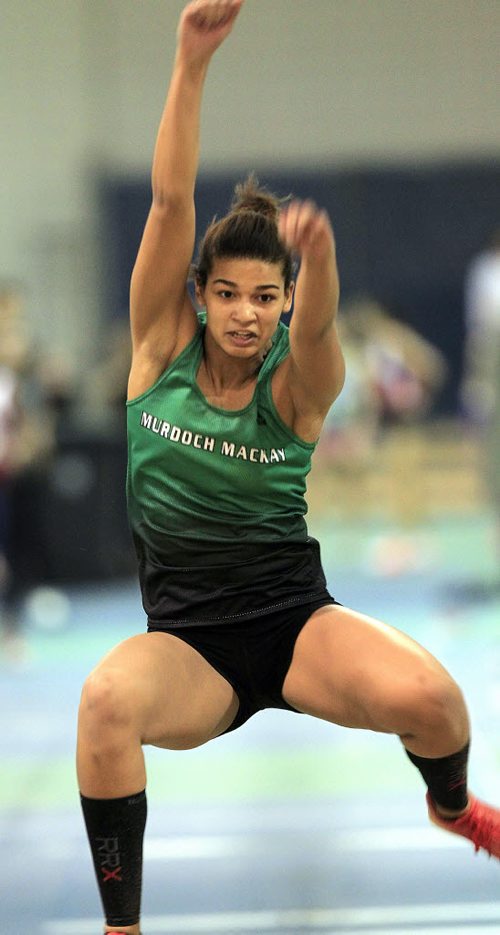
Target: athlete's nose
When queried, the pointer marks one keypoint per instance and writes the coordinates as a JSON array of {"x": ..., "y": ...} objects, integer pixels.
[{"x": 245, "y": 313}]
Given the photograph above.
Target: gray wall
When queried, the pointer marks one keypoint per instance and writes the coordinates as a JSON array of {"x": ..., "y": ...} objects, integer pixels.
[{"x": 303, "y": 81}]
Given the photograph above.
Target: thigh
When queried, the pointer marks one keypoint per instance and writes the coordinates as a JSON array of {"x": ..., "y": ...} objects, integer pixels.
[
  {"x": 178, "y": 700},
  {"x": 355, "y": 671}
]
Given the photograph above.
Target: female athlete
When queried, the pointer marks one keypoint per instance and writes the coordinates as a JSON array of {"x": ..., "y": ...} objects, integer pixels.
[{"x": 224, "y": 411}]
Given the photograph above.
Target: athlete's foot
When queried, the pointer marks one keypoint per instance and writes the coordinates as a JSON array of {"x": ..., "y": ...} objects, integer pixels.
[{"x": 480, "y": 823}]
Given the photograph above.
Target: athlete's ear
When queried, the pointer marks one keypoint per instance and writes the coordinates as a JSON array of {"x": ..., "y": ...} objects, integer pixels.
[
  {"x": 289, "y": 297},
  {"x": 199, "y": 292}
]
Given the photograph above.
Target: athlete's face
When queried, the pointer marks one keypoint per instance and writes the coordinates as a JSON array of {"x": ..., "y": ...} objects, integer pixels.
[{"x": 244, "y": 299}]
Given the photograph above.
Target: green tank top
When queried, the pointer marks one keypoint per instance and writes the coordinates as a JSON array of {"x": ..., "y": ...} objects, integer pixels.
[
  {"x": 209, "y": 488},
  {"x": 211, "y": 474}
]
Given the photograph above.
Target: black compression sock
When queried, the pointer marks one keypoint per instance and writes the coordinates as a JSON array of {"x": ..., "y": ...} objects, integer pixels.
[
  {"x": 115, "y": 829},
  {"x": 445, "y": 777}
]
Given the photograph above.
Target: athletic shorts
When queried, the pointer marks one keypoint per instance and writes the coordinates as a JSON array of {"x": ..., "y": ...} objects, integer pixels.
[{"x": 253, "y": 655}]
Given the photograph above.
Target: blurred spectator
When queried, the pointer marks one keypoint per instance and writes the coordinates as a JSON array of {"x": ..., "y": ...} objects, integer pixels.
[
  {"x": 481, "y": 382},
  {"x": 393, "y": 377},
  {"x": 105, "y": 386},
  {"x": 405, "y": 369},
  {"x": 55, "y": 384},
  {"x": 482, "y": 323},
  {"x": 26, "y": 440}
]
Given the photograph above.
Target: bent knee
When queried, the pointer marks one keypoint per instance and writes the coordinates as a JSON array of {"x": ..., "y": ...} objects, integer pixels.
[
  {"x": 429, "y": 698},
  {"x": 106, "y": 704},
  {"x": 439, "y": 698}
]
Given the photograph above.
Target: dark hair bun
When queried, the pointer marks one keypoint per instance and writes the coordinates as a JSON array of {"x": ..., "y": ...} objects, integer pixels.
[
  {"x": 248, "y": 196},
  {"x": 248, "y": 231}
]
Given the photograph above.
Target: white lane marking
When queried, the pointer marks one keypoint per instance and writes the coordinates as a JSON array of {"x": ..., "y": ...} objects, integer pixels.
[
  {"x": 463, "y": 929},
  {"x": 396, "y": 839},
  {"x": 158, "y": 925},
  {"x": 196, "y": 847},
  {"x": 223, "y": 846},
  {"x": 362, "y": 920}
]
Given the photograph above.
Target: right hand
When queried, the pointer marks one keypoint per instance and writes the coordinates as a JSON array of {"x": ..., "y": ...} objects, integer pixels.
[
  {"x": 203, "y": 26},
  {"x": 306, "y": 230}
]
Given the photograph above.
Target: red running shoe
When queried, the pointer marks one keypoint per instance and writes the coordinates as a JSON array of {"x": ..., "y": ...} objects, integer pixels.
[{"x": 480, "y": 824}]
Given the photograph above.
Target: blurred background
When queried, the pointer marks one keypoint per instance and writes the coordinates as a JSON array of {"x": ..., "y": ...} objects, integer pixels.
[{"x": 387, "y": 114}]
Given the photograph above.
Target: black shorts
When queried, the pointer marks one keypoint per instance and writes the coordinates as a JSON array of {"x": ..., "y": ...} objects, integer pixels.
[{"x": 253, "y": 655}]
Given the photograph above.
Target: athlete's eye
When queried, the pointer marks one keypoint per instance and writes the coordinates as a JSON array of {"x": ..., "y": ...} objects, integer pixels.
[
  {"x": 266, "y": 298},
  {"x": 225, "y": 294}
]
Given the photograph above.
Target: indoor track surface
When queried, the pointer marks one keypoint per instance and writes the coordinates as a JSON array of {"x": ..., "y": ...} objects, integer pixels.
[{"x": 288, "y": 826}]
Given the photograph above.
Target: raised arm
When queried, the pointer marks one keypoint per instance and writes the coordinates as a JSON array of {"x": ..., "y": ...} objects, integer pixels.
[
  {"x": 316, "y": 364},
  {"x": 162, "y": 316}
]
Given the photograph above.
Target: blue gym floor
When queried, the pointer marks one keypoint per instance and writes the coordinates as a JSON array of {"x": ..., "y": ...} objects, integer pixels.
[{"x": 289, "y": 826}]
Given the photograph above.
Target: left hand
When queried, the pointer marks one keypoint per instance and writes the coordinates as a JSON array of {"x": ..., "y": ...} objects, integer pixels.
[
  {"x": 204, "y": 25},
  {"x": 306, "y": 230}
]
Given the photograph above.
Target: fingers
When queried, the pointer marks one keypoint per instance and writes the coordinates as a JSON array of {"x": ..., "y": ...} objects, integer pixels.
[
  {"x": 296, "y": 221},
  {"x": 211, "y": 14},
  {"x": 203, "y": 26},
  {"x": 304, "y": 227}
]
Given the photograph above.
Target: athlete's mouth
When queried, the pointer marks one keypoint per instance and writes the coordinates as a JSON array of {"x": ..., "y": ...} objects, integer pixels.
[{"x": 242, "y": 334}]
